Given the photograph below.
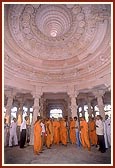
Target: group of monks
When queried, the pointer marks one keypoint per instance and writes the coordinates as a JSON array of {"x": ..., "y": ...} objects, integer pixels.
[{"x": 61, "y": 131}]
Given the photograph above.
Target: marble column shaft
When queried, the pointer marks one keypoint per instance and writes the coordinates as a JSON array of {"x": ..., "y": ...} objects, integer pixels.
[
  {"x": 101, "y": 107},
  {"x": 8, "y": 109},
  {"x": 20, "y": 114},
  {"x": 73, "y": 106},
  {"x": 35, "y": 114},
  {"x": 98, "y": 94},
  {"x": 89, "y": 106}
]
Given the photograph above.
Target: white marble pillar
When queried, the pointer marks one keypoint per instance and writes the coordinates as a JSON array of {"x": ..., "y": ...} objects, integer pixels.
[
  {"x": 73, "y": 104},
  {"x": 73, "y": 93},
  {"x": 28, "y": 113},
  {"x": 69, "y": 109},
  {"x": 98, "y": 94},
  {"x": 45, "y": 108},
  {"x": 83, "y": 111},
  {"x": 8, "y": 109},
  {"x": 36, "y": 113},
  {"x": 89, "y": 106},
  {"x": 20, "y": 114},
  {"x": 41, "y": 107},
  {"x": 36, "y": 107}
]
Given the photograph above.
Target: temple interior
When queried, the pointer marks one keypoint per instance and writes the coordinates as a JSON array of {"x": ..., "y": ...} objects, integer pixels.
[{"x": 57, "y": 63}]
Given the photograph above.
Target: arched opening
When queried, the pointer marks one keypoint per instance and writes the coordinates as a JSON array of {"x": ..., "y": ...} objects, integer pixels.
[{"x": 56, "y": 113}]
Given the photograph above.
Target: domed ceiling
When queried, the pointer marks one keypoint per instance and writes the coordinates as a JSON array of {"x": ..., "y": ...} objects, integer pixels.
[{"x": 57, "y": 44}]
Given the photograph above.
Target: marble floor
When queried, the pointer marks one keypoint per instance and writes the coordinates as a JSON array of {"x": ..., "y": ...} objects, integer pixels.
[{"x": 58, "y": 154}]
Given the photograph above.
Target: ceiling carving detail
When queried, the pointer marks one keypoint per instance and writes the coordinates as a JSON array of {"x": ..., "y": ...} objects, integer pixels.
[{"x": 61, "y": 30}]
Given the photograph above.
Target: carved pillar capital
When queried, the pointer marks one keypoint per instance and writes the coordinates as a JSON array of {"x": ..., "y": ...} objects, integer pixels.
[
  {"x": 37, "y": 92},
  {"x": 10, "y": 94},
  {"x": 89, "y": 99},
  {"x": 72, "y": 92},
  {"x": 9, "y": 106},
  {"x": 98, "y": 93},
  {"x": 89, "y": 105}
]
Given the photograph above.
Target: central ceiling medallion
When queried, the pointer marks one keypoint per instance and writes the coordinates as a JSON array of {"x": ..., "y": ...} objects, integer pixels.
[
  {"x": 53, "y": 33},
  {"x": 53, "y": 20}
]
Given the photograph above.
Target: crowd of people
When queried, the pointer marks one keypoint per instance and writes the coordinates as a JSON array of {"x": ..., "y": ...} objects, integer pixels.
[{"x": 49, "y": 131}]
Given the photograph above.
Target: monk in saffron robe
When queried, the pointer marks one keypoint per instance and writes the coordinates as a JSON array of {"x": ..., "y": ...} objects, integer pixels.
[
  {"x": 84, "y": 133},
  {"x": 56, "y": 127},
  {"x": 37, "y": 136},
  {"x": 51, "y": 129},
  {"x": 72, "y": 131},
  {"x": 63, "y": 132},
  {"x": 49, "y": 133},
  {"x": 92, "y": 131}
]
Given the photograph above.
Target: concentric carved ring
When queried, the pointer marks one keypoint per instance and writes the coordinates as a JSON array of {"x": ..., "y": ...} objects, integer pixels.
[{"x": 53, "y": 21}]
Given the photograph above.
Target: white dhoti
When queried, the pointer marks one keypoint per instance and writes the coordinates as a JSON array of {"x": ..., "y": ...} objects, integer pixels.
[{"x": 13, "y": 135}]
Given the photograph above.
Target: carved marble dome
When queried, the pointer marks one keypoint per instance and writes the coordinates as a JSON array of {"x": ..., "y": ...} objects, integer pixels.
[{"x": 57, "y": 45}]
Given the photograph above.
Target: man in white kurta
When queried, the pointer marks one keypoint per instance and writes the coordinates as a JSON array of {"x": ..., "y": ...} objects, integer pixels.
[
  {"x": 13, "y": 133},
  {"x": 108, "y": 129}
]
